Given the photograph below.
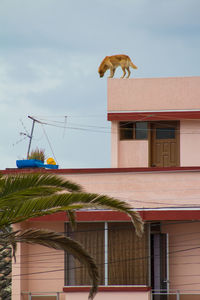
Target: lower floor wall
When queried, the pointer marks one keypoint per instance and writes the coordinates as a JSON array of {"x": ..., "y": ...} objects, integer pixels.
[
  {"x": 111, "y": 295},
  {"x": 183, "y": 257},
  {"x": 176, "y": 296},
  {"x": 39, "y": 270},
  {"x": 145, "y": 295},
  {"x": 84, "y": 295}
]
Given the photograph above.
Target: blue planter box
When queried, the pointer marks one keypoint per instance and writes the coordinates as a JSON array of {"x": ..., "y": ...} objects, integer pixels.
[{"x": 33, "y": 163}]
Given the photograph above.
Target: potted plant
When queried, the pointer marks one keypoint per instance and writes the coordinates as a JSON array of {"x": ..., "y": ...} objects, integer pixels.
[
  {"x": 37, "y": 154},
  {"x": 35, "y": 160}
]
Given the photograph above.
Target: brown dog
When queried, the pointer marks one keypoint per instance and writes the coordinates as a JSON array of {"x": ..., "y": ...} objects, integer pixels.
[{"x": 114, "y": 61}]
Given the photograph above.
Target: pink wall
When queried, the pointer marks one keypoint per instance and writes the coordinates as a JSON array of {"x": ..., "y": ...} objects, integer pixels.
[
  {"x": 184, "y": 256},
  {"x": 43, "y": 259},
  {"x": 145, "y": 189},
  {"x": 178, "y": 93},
  {"x": 154, "y": 94},
  {"x": 36, "y": 262},
  {"x": 19, "y": 267},
  {"x": 111, "y": 295},
  {"x": 190, "y": 143},
  {"x": 133, "y": 154},
  {"x": 114, "y": 144},
  {"x": 126, "y": 154}
]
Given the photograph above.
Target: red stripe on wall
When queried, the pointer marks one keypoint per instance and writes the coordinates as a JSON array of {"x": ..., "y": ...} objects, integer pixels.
[
  {"x": 150, "y": 215},
  {"x": 108, "y": 289},
  {"x": 153, "y": 116}
]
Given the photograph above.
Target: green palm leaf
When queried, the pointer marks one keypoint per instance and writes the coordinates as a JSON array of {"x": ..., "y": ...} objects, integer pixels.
[
  {"x": 35, "y": 207},
  {"x": 12, "y": 184},
  {"x": 59, "y": 242}
]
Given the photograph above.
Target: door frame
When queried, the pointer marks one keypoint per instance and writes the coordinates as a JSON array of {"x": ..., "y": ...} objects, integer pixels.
[
  {"x": 159, "y": 265},
  {"x": 150, "y": 134}
]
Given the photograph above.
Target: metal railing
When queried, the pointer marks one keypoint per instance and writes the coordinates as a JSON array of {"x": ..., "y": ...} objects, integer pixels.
[
  {"x": 176, "y": 295},
  {"x": 155, "y": 295},
  {"x": 41, "y": 295}
]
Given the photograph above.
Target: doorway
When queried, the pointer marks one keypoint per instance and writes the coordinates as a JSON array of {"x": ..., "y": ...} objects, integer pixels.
[
  {"x": 159, "y": 266},
  {"x": 165, "y": 149}
]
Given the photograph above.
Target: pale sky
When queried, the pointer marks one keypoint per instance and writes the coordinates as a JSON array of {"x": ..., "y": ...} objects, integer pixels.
[{"x": 50, "y": 51}]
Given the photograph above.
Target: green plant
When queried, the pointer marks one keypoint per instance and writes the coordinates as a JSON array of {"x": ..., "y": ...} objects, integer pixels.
[{"x": 37, "y": 154}]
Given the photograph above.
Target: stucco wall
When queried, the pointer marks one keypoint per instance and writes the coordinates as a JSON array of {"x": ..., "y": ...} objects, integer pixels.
[
  {"x": 111, "y": 295},
  {"x": 190, "y": 143},
  {"x": 43, "y": 260},
  {"x": 148, "y": 189},
  {"x": 20, "y": 267},
  {"x": 42, "y": 268},
  {"x": 184, "y": 255},
  {"x": 133, "y": 154},
  {"x": 152, "y": 94},
  {"x": 45, "y": 267}
]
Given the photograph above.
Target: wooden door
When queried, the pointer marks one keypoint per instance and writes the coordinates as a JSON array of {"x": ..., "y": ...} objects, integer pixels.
[{"x": 165, "y": 144}]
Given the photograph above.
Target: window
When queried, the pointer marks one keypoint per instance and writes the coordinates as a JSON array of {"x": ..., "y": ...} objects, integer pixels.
[
  {"x": 121, "y": 256},
  {"x": 165, "y": 133},
  {"x": 133, "y": 130}
]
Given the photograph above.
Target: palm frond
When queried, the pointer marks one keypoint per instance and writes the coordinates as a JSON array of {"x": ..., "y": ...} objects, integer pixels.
[
  {"x": 35, "y": 207},
  {"x": 12, "y": 184},
  {"x": 59, "y": 242}
]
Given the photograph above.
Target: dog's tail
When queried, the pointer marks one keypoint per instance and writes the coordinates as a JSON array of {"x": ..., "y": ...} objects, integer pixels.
[{"x": 132, "y": 65}]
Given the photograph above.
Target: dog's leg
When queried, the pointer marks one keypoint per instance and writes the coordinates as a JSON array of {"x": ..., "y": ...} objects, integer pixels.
[
  {"x": 112, "y": 72},
  {"x": 124, "y": 72},
  {"x": 128, "y": 72},
  {"x": 114, "y": 69}
]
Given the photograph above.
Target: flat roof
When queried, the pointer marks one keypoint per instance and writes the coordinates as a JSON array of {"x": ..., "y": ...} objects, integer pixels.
[{"x": 100, "y": 170}]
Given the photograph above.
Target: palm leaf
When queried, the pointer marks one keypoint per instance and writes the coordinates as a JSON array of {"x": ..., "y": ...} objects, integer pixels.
[
  {"x": 35, "y": 207},
  {"x": 59, "y": 242},
  {"x": 12, "y": 184}
]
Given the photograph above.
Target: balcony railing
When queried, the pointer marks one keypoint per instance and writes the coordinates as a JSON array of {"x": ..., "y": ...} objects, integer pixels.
[
  {"x": 176, "y": 295},
  {"x": 41, "y": 295}
]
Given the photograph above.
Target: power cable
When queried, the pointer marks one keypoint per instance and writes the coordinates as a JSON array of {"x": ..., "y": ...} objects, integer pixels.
[{"x": 49, "y": 143}]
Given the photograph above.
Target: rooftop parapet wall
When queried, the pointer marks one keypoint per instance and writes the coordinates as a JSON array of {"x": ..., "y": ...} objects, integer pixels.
[{"x": 154, "y": 94}]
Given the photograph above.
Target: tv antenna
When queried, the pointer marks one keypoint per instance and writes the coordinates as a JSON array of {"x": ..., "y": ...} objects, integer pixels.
[{"x": 30, "y": 136}]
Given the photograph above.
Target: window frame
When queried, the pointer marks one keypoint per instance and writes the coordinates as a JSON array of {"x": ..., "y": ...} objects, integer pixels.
[
  {"x": 134, "y": 130},
  {"x": 106, "y": 260}
]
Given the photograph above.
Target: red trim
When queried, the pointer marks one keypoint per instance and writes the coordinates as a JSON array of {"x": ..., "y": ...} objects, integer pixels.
[
  {"x": 98, "y": 170},
  {"x": 153, "y": 116},
  {"x": 148, "y": 215},
  {"x": 165, "y": 215},
  {"x": 108, "y": 289},
  {"x": 61, "y": 216},
  {"x": 83, "y": 216}
]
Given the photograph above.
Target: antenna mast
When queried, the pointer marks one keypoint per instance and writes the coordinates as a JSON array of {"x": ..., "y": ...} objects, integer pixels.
[{"x": 31, "y": 136}]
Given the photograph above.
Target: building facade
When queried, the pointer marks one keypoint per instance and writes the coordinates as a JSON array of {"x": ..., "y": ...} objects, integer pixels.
[{"x": 155, "y": 166}]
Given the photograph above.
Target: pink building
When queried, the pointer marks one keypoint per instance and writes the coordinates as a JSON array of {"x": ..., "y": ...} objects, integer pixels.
[{"x": 156, "y": 168}]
